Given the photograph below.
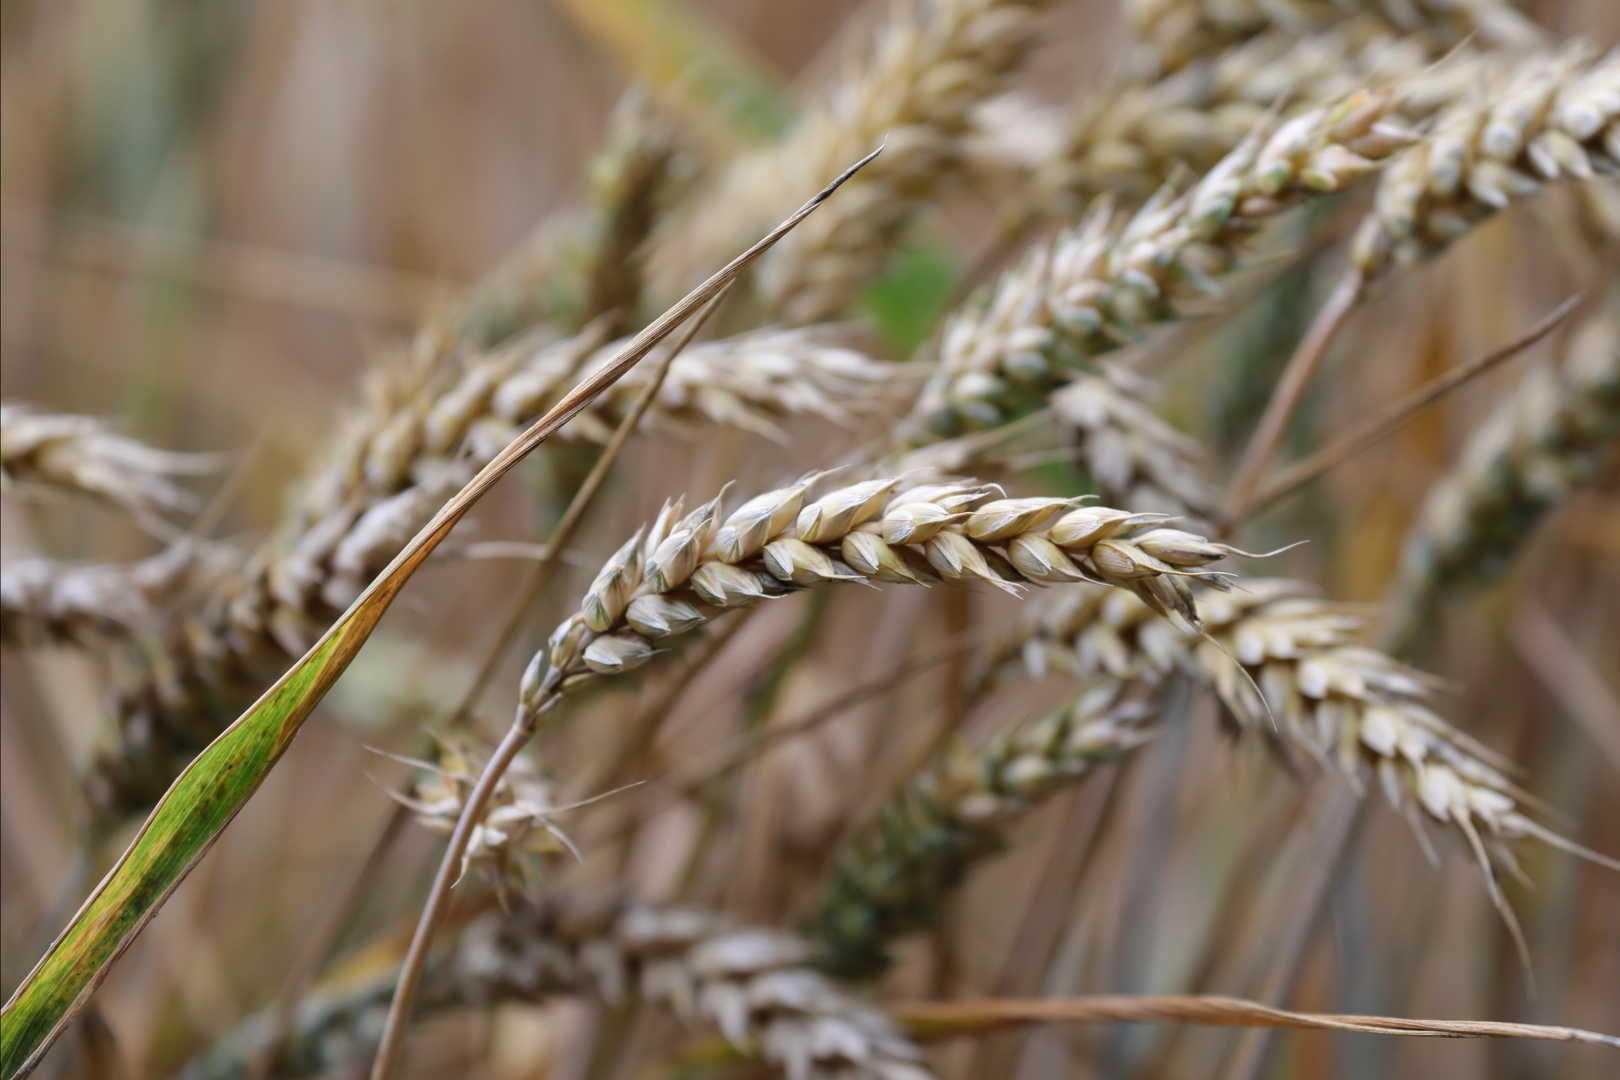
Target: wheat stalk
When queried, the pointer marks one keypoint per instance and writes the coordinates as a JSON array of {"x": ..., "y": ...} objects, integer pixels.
[
  {"x": 931, "y": 63},
  {"x": 1546, "y": 437}
]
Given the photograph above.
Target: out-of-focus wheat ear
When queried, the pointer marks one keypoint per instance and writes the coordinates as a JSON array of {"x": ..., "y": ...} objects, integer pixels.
[
  {"x": 916, "y": 86},
  {"x": 579, "y": 266},
  {"x": 884, "y": 530},
  {"x": 46, "y": 602},
  {"x": 1131, "y": 138},
  {"x": 1175, "y": 33},
  {"x": 83, "y": 454},
  {"x": 896, "y": 876},
  {"x": 1548, "y": 436},
  {"x": 756, "y": 985}
]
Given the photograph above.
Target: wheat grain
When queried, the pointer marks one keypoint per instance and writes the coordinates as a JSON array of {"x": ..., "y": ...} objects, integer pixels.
[
  {"x": 896, "y": 876},
  {"x": 1546, "y": 438},
  {"x": 931, "y": 63},
  {"x": 684, "y": 571}
]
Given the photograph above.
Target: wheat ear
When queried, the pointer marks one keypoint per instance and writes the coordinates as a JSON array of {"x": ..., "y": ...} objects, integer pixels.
[
  {"x": 1547, "y": 437},
  {"x": 1177, "y": 32},
  {"x": 1131, "y": 139},
  {"x": 1542, "y": 118},
  {"x": 1089, "y": 291},
  {"x": 686, "y": 570},
  {"x": 1324, "y": 693},
  {"x": 898, "y": 873},
  {"x": 756, "y": 985},
  {"x": 43, "y": 601},
  {"x": 930, "y": 64},
  {"x": 83, "y": 454}
]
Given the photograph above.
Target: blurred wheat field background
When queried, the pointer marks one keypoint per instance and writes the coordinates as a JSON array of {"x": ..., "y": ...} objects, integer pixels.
[{"x": 307, "y": 266}]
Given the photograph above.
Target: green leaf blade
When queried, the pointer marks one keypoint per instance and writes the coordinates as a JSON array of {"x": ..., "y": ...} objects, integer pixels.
[{"x": 194, "y": 811}]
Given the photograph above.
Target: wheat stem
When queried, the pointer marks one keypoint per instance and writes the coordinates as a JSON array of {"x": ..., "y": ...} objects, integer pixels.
[
  {"x": 1290, "y": 389},
  {"x": 1389, "y": 419},
  {"x": 472, "y": 814}
]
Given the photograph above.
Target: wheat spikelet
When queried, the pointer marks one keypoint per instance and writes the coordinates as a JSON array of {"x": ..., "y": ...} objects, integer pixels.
[
  {"x": 518, "y": 823},
  {"x": 897, "y": 874},
  {"x": 755, "y": 985},
  {"x": 931, "y": 63},
  {"x": 686, "y": 570},
  {"x": 83, "y": 454},
  {"x": 1545, "y": 438},
  {"x": 1542, "y": 118}
]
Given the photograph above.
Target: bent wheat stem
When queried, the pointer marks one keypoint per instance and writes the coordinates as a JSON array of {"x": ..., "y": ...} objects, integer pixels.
[
  {"x": 471, "y": 815},
  {"x": 1388, "y": 419}
]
